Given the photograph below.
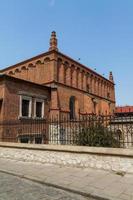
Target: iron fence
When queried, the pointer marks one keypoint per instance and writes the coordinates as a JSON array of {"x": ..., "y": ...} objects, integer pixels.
[{"x": 87, "y": 130}]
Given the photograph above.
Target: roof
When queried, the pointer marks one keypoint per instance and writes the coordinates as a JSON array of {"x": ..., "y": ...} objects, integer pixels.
[
  {"x": 7, "y": 77},
  {"x": 124, "y": 109},
  {"x": 60, "y": 54},
  {"x": 25, "y": 61}
]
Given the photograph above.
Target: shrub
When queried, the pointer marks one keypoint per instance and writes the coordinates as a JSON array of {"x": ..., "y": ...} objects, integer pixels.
[{"x": 98, "y": 136}]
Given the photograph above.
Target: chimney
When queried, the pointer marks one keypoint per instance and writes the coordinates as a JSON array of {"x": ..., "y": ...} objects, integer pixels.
[
  {"x": 53, "y": 42},
  {"x": 111, "y": 77}
]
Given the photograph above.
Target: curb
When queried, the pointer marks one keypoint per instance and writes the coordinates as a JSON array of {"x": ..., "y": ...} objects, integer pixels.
[{"x": 34, "y": 179}]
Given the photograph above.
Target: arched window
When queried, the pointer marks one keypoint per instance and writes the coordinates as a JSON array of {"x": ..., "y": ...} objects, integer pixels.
[{"x": 72, "y": 107}]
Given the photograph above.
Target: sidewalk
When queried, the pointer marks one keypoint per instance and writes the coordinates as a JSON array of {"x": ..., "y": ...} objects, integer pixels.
[{"x": 89, "y": 182}]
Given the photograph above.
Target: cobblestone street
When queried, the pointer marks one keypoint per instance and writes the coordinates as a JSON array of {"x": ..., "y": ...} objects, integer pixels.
[
  {"x": 17, "y": 188},
  {"x": 20, "y": 179}
]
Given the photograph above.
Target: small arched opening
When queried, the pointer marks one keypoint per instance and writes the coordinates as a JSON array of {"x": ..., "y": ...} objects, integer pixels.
[
  {"x": 46, "y": 60},
  {"x": 72, "y": 107}
]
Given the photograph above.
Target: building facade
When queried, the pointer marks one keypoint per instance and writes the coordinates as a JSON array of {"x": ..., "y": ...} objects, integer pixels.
[
  {"x": 122, "y": 123},
  {"x": 124, "y": 111},
  {"x": 75, "y": 88},
  {"x": 24, "y": 108}
]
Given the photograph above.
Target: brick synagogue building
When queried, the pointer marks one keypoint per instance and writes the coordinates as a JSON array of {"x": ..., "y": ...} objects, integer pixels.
[{"x": 52, "y": 84}]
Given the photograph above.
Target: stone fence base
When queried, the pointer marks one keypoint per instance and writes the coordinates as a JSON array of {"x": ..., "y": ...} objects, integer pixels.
[{"x": 118, "y": 160}]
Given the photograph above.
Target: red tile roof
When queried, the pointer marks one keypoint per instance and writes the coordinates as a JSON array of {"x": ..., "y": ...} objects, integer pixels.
[{"x": 124, "y": 109}]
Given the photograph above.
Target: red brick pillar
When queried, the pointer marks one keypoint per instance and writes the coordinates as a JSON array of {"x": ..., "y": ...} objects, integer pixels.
[
  {"x": 93, "y": 85},
  {"x": 91, "y": 82},
  {"x": 54, "y": 107},
  {"x": 105, "y": 91},
  {"x": 84, "y": 81},
  {"x": 100, "y": 88},
  {"x": 96, "y": 85},
  {"x": 68, "y": 76},
  {"x": 61, "y": 73},
  {"x": 59, "y": 62},
  {"x": 74, "y": 77},
  {"x": 78, "y": 78}
]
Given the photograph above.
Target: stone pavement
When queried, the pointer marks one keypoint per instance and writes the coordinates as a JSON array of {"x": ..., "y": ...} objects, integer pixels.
[
  {"x": 18, "y": 188},
  {"x": 88, "y": 181}
]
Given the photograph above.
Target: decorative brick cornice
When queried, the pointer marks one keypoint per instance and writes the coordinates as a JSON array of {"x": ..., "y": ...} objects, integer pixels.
[{"x": 81, "y": 90}]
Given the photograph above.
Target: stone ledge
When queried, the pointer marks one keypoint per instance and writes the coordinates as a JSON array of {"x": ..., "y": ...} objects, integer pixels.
[{"x": 72, "y": 149}]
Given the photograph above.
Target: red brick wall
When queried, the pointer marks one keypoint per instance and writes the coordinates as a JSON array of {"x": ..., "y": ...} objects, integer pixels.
[
  {"x": 39, "y": 71},
  {"x": 84, "y": 101},
  {"x": 12, "y": 98}
]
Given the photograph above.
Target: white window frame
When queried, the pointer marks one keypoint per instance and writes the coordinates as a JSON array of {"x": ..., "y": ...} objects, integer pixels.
[
  {"x": 42, "y": 113},
  {"x": 30, "y": 106}
]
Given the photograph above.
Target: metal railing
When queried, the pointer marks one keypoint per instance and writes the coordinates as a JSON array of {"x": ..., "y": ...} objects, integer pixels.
[{"x": 87, "y": 130}]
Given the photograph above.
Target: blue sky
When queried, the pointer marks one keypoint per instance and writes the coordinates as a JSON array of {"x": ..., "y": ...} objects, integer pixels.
[{"x": 99, "y": 32}]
